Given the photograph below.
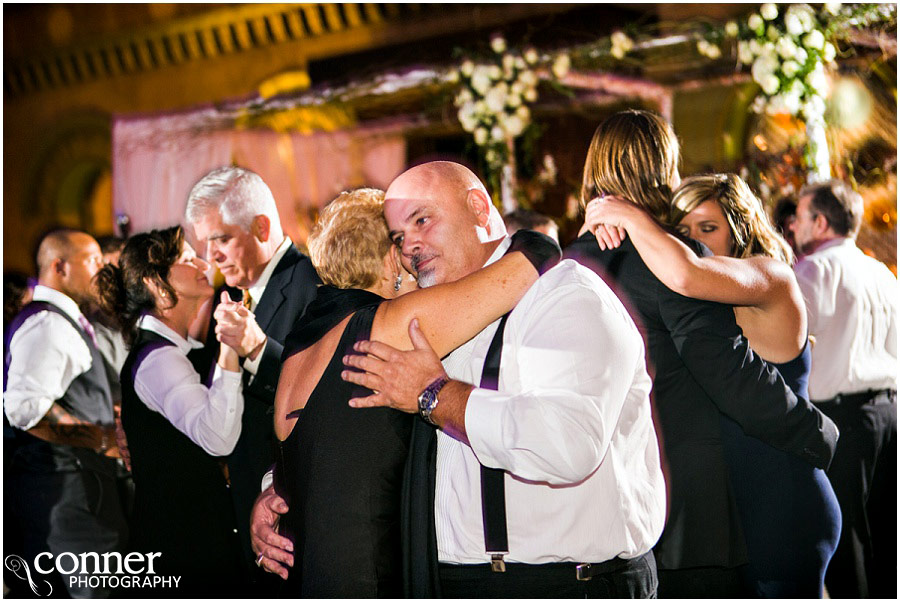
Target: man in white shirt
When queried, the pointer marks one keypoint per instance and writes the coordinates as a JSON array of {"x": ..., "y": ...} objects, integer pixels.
[
  {"x": 234, "y": 214},
  {"x": 569, "y": 428},
  {"x": 63, "y": 471},
  {"x": 851, "y": 300}
]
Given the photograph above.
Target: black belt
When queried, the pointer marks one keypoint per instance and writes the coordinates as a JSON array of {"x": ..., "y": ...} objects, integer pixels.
[
  {"x": 582, "y": 571},
  {"x": 858, "y": 399}
]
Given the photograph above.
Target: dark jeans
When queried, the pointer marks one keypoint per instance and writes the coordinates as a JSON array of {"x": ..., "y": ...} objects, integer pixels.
[
  {"x": 863, "y": 474},
  {"x": 634, "y": 578}
]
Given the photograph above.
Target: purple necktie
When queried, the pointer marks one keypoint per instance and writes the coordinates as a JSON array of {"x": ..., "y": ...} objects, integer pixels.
[{"x": 87, "y": 328}]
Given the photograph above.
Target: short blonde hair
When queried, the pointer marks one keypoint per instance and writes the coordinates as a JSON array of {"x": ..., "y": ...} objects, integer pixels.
[
  {"x": 752, "y": 232},
  {"x": 350, "y": 239},
  {"x": 634, "y": 154}
]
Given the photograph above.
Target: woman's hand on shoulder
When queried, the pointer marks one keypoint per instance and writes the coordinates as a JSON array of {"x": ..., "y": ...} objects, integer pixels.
[{"x": 608, "y": 217}]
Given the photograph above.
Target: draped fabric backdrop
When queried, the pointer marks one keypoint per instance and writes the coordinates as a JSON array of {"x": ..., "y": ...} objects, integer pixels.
[{"x": 157, "y": 159}]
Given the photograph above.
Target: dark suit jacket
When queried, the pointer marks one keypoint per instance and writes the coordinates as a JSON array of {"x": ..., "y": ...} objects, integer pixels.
[
  {"x": 292, "y": 286},
  {"x": 702, "y": 366}
]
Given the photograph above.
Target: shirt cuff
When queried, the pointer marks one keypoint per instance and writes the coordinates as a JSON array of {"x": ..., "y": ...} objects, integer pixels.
[
  {"x": 229, "y": 379},
  {"x": 267, "y": 480},
  {"x": 252, "y": 366},
  {"x": 484, "y": 425},
  {"x": 28, "y": 414}
]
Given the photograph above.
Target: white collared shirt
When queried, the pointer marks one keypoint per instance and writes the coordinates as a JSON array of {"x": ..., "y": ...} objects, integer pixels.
[
  {"x": 167, "y": 383},
  {"x": 46, "y": 354},
  {"x": 256, "y": 292},
  {"x": 571, "y": 421},
  {"x": 851, "y": 300}
]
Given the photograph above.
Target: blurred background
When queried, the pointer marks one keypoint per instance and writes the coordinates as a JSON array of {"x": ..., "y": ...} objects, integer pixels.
[{"x": 113, "y": 111}]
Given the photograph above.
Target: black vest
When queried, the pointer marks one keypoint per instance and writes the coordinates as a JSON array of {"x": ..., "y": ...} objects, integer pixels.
[
  {"x": 87, "y": 398},
  {"x": 182, "y": 504}
]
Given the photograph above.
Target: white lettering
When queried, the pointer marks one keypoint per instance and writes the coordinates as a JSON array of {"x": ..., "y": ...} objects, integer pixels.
[
  {"x": 136, "y": 557},
  {"x": 117, "y": 557},
  {"x": 59, "y": 564},
  {"x": 37, "y": 564},
  {"x": 150, "y": 558},
  {"x": 84, "y": 562}
]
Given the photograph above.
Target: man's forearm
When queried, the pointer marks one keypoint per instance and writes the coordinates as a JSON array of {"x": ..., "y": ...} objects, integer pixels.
[
  {"x": 450, "y": 412},
  {"x": 59, "y": 426}
]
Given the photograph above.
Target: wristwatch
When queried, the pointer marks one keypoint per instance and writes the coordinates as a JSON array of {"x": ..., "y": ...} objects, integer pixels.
[{"x": 428, "y": 399}]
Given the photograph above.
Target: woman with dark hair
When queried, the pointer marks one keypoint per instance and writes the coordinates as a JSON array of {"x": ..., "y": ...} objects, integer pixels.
[
  {"x": 789, "y": 513},
  {"x": 176, "y": 425}
]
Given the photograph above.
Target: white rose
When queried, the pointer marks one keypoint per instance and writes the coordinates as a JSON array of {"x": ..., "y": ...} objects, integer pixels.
[
  {"x": 491, "y": 156},
  {"x": 769, "y": 83},
  {"x": 772, "y": 33},
  {"x": 523, "y": 113},
  {"x": 713, "y": 51},
  {"x": 768, "y": 11},
  {"x": 453, "y": 76},
  {"x": 702, "y": 46},
  {"x": 763, "y": 67},
  {"x": 513, "y": 100},
  {"x": 509, "y": 61},
  {"x": 745, "y": 55},
  {"x": 495, "y": 72},
  {"x": 776, "y": 105},
  {"x": 520, "y": 63},
  {"x": 466, "y": 116},
  {"x": 832, "y": 8},
  {"x": 829, "y": 52},
  {"x": 514, "y": 126},
  {"x": 814, "y": 107},
  {"x": 755, "y": 47},
  {"x": 496, "y": 98},
  {"x": 467, "y": 68},
  {"x": 817, "y": 80},
  {"x": 481, "y": 108},
  {"x": 531, "y": 56},
  {"x": 755, "y": 22},
  {"x": 732, "y": 29},
  {"x": 463, "y": 97},
  {"x": 561, "y": 65},
  {"x": 481, "y": 80},
  {"x": 530, "y": 95},
  {"x": 517, "y": 89},
  {"x": 758, "y": 105},
  {"x": 497, "y": 133},
  {"x": 528, "y": 78},
  {"x": 481, "y": 136},
  {"x": 792, "y": 99},
  {"x": 799, "y": 19},
  {"x": 785, "y": 47},
  {"x": 621, "y": 39},
  {"x": 814, "y": 39},
  {"x": 801, "y": 55},
  {"x": 617, "y": 51},
  {"x": 498, "y": 44},
  {"x": 790, "y": 68}
]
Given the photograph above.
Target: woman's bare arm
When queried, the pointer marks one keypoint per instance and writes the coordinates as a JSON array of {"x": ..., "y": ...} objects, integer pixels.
[
  {"x": 754, "y": 281},
  {"x": 450, "y": 314}
]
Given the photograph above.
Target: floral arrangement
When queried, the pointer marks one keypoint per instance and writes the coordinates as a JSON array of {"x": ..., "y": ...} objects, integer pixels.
[{"x": 494, "y": 98}]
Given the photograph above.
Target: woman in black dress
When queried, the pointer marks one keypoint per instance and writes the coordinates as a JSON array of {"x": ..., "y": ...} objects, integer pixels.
[
  {"x": 176, "y": 425},
  {"x": 340, "y": 470}
]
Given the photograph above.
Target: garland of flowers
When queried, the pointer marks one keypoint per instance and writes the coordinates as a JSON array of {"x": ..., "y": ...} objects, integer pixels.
[{"x": 493, "y": 101}]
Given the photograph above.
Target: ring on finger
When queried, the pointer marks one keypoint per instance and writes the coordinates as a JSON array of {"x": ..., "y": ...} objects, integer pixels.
[{"x": 259, "y": 559}]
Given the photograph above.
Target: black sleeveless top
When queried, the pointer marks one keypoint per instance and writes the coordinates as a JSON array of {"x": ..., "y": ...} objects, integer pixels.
[
  {"x": 182, "y": 504},
  {"x": 341, "y": 470}
]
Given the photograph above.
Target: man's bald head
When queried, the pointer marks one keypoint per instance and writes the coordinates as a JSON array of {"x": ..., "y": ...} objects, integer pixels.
[
  {"x": 443, "y": 220},
  {"x": 67, "y": 261}
]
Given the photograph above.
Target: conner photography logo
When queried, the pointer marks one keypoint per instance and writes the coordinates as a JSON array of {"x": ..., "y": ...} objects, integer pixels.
[{"x": 110, "y": 570}]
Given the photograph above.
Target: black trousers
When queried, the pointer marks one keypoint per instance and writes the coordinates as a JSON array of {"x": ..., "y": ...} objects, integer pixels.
[
  {"x": 863, "y": 474},
  {"x": 76, "y": 511},
  {"x": 634, "y": 578}
]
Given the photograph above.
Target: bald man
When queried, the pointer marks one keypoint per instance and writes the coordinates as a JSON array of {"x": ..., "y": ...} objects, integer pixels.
[
  {"x": 553, "y": 448},
  {"x": 56, "y": 396}
]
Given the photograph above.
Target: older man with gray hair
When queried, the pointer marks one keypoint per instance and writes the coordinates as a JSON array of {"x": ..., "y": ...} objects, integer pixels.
[{"x": 234, "y": 214}]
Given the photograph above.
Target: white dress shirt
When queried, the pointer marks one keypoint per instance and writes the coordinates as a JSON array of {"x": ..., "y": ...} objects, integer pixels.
[
  {"x": 46, "y": 354},
  {"x": 256, "y": 292},
  {"x": 167, "y": 383},
  {"x": 571, "y": 423},
  {"x": 851, "y": 300}
]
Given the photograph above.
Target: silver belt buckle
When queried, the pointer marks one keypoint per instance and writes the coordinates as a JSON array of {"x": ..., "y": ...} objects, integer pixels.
[
  {"x": 497, "y": 563},
  {"x": 582, "y": 571}
]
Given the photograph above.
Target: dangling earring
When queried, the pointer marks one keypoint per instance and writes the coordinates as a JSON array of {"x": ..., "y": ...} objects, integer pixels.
[{"x": 398, "y": 282}]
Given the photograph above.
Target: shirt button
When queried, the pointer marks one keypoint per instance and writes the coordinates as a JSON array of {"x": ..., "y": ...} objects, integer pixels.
[{"x": 234, "y": 530}]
